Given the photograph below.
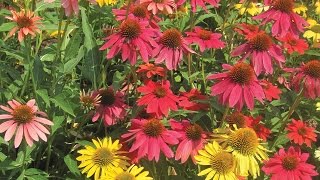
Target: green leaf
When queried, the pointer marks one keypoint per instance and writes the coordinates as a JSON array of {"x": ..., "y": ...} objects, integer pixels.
[
  {"x": 60, "y": 101},
  {"x": 7, "y": 26},
  {"x": 35, "y": 174},
  {"x": 72, "y": 165},
  {"x": 57, "y": 121},
  {"x": 73, "y": 46},
  {"x": 43, "y": 93},
  {"x": 44, "y": 5},
  {"x": 70, "y": 65},
  {"x": 2, "y": 156}
]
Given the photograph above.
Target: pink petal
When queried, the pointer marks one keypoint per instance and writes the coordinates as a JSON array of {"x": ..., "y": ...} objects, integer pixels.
[
  {"x": 43, "y": 121},
  {"x": 19, "y": 135},
  {"x": 6, "y": 116},
  {"x": 6, "y": 125},
  {"x": 10, "y": 132}
]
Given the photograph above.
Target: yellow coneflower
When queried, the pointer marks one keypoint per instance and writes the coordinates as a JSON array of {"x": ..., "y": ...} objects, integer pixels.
[
  {"x": 318, "y": 106},
  {"x": 245, "y": 146},
  {"x": 88, "y": 100},
  {"x": 313, "y": 31},
  {"x": 221, "y": 163},
  {"x": 132, "y": 173},
  {"x": 250, "y": 7},
  {"x": 104, "y": 157},
  {"x": 317, "y": 4},
  {"x": 106, "y": 2},
  {"x": 300, "y": 9}
]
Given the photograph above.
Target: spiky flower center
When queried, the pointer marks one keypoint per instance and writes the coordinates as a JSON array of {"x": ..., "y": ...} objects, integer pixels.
[
  {"x": 204, "y": 34},
  {"x": 102, "y": 157},
  {"x": 315, "y": 28},
  {"x": 241, "y": 73},
  {"x": 293, "y": 42},
  {"x": 139, "y": 11},
  {"x": 312, "y": 68},
  {"x": 125, "y": 176},
  {"x": 244, "y": 140},
  {"x": 24, "y": 21},
  {"x": 302, "y": 131},
  {"x": 260, "y": 42},
  {"x": 23, "y": 114},
  {"x": 290, "y": 162},
  {"x": 171, "y": 38},
  {"x": 160, "y": 92},
  {"x": 194, "y": 132},
  {"x": 107, "y": 97},
  {"x": 153, "y": 128},
  {"x": 283, "y": 5},
  {"x": 222, "y": 162},
  {"x": 130, "y": 29},
  {"x": 238, "y": 119}
]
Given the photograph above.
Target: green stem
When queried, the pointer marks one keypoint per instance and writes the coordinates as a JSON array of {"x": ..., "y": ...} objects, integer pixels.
[
  {"x": 49, "y": 154},
  {"x": 225, "y": 114}
]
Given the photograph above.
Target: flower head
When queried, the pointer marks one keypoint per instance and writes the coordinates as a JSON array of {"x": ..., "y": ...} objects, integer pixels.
[
  {"x": 190, "y": 100},
  {"x": 70, "y": 7},
  {"x": 26, "y": 23},
  {"x": 192, "y": 138},
  {"x": 245, "y": 146},
  {"x": 24, "y": 120},
  {"x": 101, "y": 158},
  {"x": 283, "y": 18},
  {"x": 151, "y": 70},
  {"x": 317, "y": 154},
  {"x": 248, "y": 30},
  {"x": 261, "y": 50},
  {"x": 150, "y": 137},
  {"x": 201, "y": 3},
  {"x": 294, "y": 44},
  {"x": 169, "y": 6},
  {"x": 106, "y": 2},
  {"x": 88, "y": 101},
  {"x": 249, "y": 7},
  {"x": 111, "y": 107},
  {"x": 309, "y": 76},
  {"x": 133, "y": 38},
  {"x": 237, "y": 86},
  {"x": 158, "y": 98},
  {"x": 220, "y": 162},
  {"x": 318, "y": 106},
  {"x": 205, "y": 39},
  {"x": 289, "y": 165},
  {"x": 260, "y": 129},
  {"x": 271, "y": 91},
  {"x": 313, "y": 31},
  {"x": 238, "y": 119},
  {"x": 132, "y": 173},
  {"x": 301, "y": 133},
  {"x": 172, "y": 47}
]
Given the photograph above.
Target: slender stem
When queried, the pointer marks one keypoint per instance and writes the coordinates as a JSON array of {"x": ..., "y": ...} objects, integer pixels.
[
  {"x": 225, "y": 114},
  {"x": 49, "y": 154}
]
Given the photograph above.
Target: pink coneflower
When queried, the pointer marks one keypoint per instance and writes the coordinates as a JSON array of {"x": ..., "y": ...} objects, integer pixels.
[
  {"x": 169, "y": 6},
  {"x": 201, "y": 3},
  {"x": 300, "y": 132},
  {"x": 138, "y": 11},
  {"x": 261, "y": 50},
  {"x": 271, "y": 91},
  {"x": 70, "y": 7},
  {"x": 158, "y": 98},
  {"x": 283, "y": 18},
  {"x": 294, "y": 44},
  {"x": 260, "y": 129},
  {"x": 237, "y": 86},
  {"x": 289, "y": 165},
  {"x": 192, "y": 139},
  {"x": 151, "y": 70},
  {"x": 133, "y": 38},
  {"x": 88, "y": 101},
  {"x": 111, "y": 107},
  {"x": 309, "y": 75},
  {"x": 26, "y": 23},
  {"x": 192, "y": 100},
  {"x": 205, "y": 39},
  {"x": 171, "y": 48},
  {"x": 150, "y": 137},
  {"x": 24, "y": 120}
]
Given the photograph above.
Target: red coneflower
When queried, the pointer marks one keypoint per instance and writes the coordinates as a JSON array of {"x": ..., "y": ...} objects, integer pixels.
[
  {"x": 190, "y": 100},
  {"x": 192, "y": 139},
  {"x": 238, "y": 86},
  {"x": 111, "y": 107},
  {"x": 26, "y": 23},
  {"x": 289, "y": 165},
  {"x": 205, "y": 39},
  {"x": 261, "y": 51},
  {"x": 70, "y": 7},
  {"x": 294, "y": 44},
  {"x": 309, "y": 75},
  {"x": 247, "y": 30},
  {"x": 271, "y": 91},
  {"x": 171, "y": 48},
  {"x": 201, "y": 3},
  {"x": 158, "y": 98},
  {"x": 149, "y": 138},
  {"x": 160, "y": 5},
  {"x": 284, "y": 19},
  {"x": 133, "y": 38},
  {"x": 300, "y": 132},
  {"x": 261, "y": 131},
  {"x": 151, "y": 70},
  {"x": 24, "y": 120}
]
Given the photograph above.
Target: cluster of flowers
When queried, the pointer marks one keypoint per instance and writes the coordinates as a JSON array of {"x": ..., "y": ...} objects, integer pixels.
[{"x": 232, "y": 152}]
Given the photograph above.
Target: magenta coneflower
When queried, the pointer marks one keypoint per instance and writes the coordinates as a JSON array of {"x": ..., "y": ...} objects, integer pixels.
[
  {"x": 24, "y": 120},
  {"x": 111, "y": 107},
  {"x": 133, "y": 38},
  {"x": 237, "y": 86},
  {"x": 289, "y": 165},
  {"x": 149, "y": 138},
  {"x": 205, "y": 39},
  {"x": 284, "y": 19},
  {"x": 158, "y": 98},
  {"x": 70, "y": 7},
  {"x": 171, "y": 48},
  {"x": 261, "y": 49},
  {"x": 309, "y": 75},
  {"x": 201, "y": 3},
  {"x": 168, "y": 6},
  {"x": 192, "y": 139}
]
